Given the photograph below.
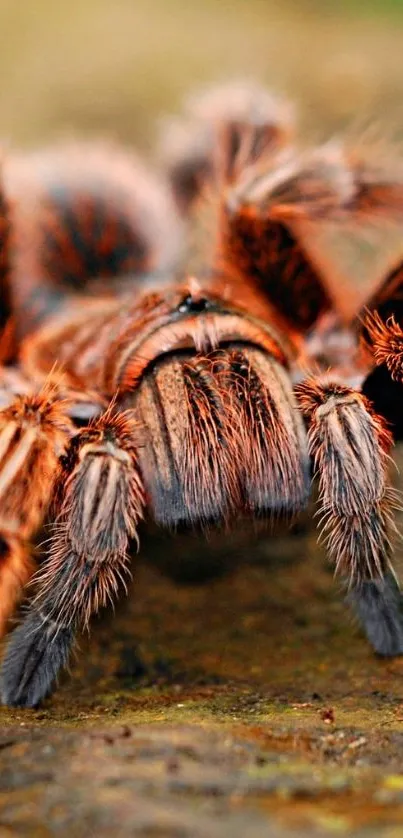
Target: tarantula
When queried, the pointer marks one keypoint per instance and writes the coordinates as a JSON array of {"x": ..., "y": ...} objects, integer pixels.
[{"x": 188, "y": 344}]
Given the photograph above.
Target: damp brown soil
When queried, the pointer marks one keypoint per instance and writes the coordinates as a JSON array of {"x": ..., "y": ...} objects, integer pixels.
[{"x": 230, "y": 694}]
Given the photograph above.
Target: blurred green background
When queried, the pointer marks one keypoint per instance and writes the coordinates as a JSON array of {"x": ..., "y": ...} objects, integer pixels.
[{"x": 113, "y": 66}]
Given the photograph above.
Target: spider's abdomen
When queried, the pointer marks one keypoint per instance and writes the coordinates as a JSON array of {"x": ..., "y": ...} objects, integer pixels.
[{"x": 221, "y": 434}]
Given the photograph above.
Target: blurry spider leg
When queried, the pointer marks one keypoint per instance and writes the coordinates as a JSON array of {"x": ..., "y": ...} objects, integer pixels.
[{"x": 35, "y": 430}]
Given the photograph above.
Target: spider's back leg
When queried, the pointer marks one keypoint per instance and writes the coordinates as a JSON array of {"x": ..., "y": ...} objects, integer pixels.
[
  {"x": 253, "y": 121},
  {"x": 276, "y": 215},
  {"x": 85, "y": 218}
]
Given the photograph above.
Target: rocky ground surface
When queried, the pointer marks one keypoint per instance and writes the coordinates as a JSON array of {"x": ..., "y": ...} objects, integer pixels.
[{"x": 247, "y": 704}]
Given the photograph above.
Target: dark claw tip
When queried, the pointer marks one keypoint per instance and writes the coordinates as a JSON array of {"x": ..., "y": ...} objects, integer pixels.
[
  {"x": 379, "y": 607},
  {"x": 37, "y": 651}
]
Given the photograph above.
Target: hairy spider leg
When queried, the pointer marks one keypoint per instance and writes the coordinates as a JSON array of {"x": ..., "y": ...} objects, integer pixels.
[
  {"x": 35, "y": 430},
  {"x": 101, "y": 503},
  {"x": 349, "y": 444}
]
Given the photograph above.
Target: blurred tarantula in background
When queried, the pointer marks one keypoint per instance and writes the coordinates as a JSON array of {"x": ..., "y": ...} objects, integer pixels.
[{"x": 187, "y": 343}]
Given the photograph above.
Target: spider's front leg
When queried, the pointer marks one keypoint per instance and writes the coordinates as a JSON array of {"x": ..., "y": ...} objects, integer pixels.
[
  {"x": 101, "y": 504},
  {"x": 349, "y": 444}
]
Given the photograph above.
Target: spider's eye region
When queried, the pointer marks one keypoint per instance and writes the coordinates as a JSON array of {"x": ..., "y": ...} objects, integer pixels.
[{"x": 193, "y": 305}]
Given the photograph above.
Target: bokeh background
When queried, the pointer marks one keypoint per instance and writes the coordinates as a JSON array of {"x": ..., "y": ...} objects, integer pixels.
[{"x": 114, "y": 66}]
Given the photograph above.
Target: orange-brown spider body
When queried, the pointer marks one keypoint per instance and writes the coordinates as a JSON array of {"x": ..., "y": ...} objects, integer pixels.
[{"x": 189, "y": 356}]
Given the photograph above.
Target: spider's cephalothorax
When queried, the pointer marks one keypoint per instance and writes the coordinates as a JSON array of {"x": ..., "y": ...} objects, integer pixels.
[{"x": 190, "y": 355}]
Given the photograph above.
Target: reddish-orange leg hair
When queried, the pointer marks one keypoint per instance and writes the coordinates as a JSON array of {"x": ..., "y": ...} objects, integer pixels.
[
  {"x": 102, "y": 498},
  {"x": 349, "y": 444},
  {"x": 35, "y": 431}
]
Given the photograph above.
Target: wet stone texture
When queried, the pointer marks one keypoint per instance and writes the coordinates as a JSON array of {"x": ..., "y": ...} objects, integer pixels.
[{"x": 231, "y": 694}]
